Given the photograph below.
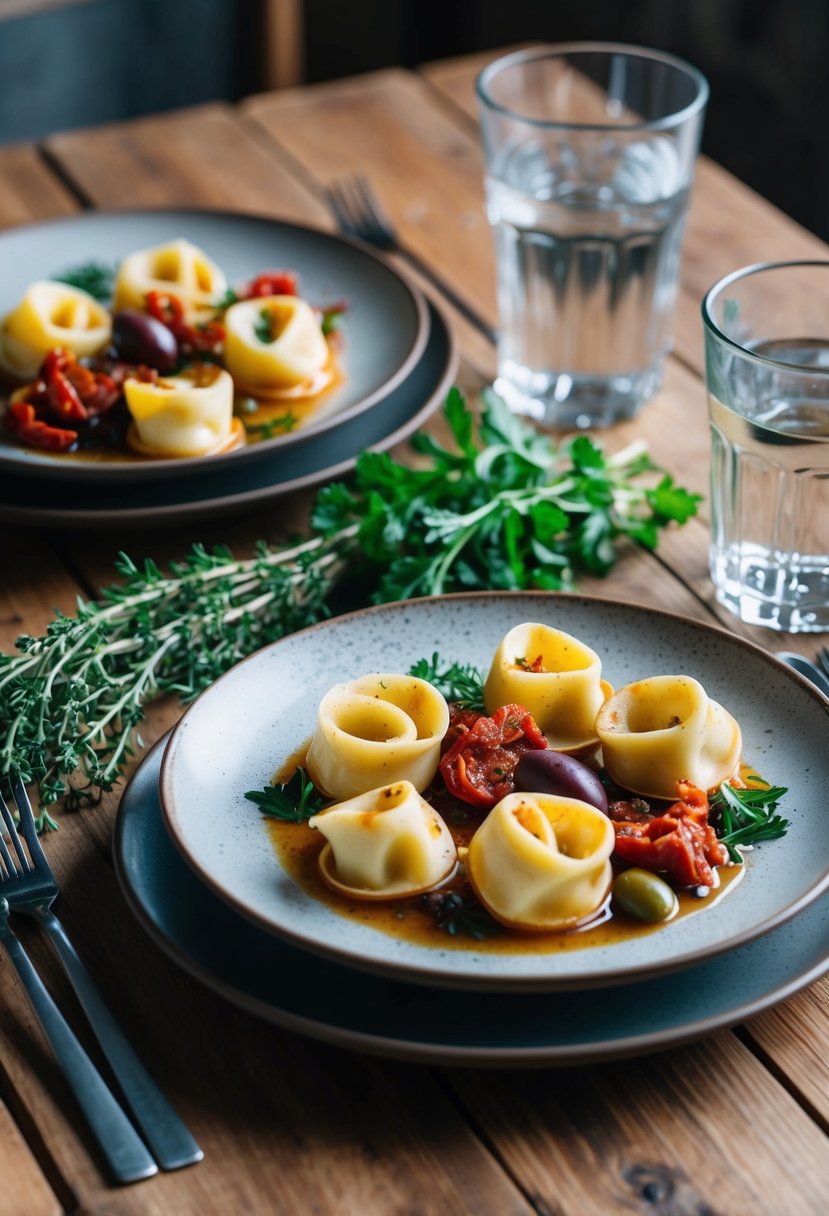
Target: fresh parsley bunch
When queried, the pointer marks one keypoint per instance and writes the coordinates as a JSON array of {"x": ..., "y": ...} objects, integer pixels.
[{"x": 503, "y": 507}]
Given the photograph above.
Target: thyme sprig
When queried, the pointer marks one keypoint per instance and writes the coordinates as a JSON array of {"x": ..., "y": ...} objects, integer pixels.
[
  {"x": 502, "y": 507},
  {"x": 460, "y": 683}
]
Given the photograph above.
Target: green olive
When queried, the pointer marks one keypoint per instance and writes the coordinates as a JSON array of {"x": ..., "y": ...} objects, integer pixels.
[{"x": 644, "y": 896}]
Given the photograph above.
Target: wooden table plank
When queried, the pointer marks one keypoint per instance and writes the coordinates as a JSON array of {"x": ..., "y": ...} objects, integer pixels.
[
  {"x": 704, "y": 1129},
  {"x": 24, "y": 1187}
]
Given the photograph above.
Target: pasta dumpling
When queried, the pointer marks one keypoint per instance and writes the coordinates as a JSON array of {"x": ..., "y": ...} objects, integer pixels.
[
  {"x": 295, "y": 356},
  {"x": 180, "y": 269},
  {"x": 657, "y": 730},
  {"x": 52, "y": 315},
  {"x": 542, "y": 861},
  {"x": 556, "y": 677},
  {"x": 186, "y": 415},
  {"x": 384, "y": 844},
  {"x": 376, "y": 730}
]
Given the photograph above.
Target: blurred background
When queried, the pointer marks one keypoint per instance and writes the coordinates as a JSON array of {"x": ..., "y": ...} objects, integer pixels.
[{"x": 71, "y": 63}]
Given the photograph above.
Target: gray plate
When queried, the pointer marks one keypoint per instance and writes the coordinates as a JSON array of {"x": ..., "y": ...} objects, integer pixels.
[
  {"x": 247, "y": 724},
  {"x": 293, "y": 988},
  {"x": 24, "y": 499},
  {"x": 386, "y": 330}
]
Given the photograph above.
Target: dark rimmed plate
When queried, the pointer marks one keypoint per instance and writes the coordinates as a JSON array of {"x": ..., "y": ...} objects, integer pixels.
[
  {"x": 386, "y": 332},
  {"x": 24, "y": 499},
  {"x": 294, "y": 989},
  {"x": 246, "y": 726}
]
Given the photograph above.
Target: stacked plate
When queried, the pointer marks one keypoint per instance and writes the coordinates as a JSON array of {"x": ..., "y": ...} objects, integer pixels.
[
  {"x": 198, "y": 868},
  {"x": 399, "y": 360}
]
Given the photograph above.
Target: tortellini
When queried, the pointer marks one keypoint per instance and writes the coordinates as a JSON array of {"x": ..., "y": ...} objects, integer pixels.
[
  {"x": 657, "y": 731},
  {"x": 541, "y": 861},
  {"x": 296, "y": 355},
  {"x": 52, "y": 315},
  {"x": 377, "y": 730},
  {"x": 384, "y": 844},
  {"x": 556, "y": 677},
  {"x": 178, "y": 268},
  {"x": 184, "y": 415}
]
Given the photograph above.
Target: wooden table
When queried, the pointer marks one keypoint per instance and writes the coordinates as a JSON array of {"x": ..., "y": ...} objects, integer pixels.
[{"x": 733, "y": 1124}]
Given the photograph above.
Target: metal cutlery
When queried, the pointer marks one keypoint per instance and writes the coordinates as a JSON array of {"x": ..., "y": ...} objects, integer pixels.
[
  {"x": 359, "y": 214},
  {"x": 819, "y": 676},
  {"x": 30, "y": 887},
  {"x": 126, "y": 1154}
]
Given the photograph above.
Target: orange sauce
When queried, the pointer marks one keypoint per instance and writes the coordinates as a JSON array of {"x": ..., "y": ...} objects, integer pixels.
[{"x": 298, "y": 848}]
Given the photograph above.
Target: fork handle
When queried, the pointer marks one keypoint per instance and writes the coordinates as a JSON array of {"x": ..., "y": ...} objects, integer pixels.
[
  {"x": 125, "y": 1153},
  {"x": 164, "y": 1131}
]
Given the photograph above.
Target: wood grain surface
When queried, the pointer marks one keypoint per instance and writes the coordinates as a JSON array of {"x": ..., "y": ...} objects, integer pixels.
[{"x": 735, "y": 1124}]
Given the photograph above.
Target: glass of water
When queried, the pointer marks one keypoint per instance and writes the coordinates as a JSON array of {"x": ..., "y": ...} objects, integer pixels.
[
  {"x": 590, "y": 151},
  {"x": 767, "y": 372}
]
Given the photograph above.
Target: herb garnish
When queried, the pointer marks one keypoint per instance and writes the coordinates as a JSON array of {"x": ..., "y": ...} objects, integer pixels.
[
  {"x": 747, "y": 816},
  {"x": 503, "y": 507},
  {"x": 293, "y": 802},
  {"x": 459, "y": 915},
  {"x": 95, "y": 278},
  {"x": 460, "y": 683},
  {"x": 332, "y": 318},
  {"x": 264, "y": 327},
  {"x": 274, "y": 426}
]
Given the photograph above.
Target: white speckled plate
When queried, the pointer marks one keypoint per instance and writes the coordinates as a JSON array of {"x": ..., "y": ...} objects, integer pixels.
[
  {"x": 248, "y": 723},
  {"x": 292, "y": 988},
  {"x": 386, "y": 331}
]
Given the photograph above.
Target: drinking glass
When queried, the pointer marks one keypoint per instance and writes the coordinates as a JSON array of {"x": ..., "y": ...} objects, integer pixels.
[
  {"x": 767, "y": 372},
  {"x": 589, "y": 151}
]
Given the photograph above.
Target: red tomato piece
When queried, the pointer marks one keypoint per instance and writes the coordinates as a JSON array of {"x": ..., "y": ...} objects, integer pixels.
[
  {"x": 272, "y": 283},
  {"x": 680, "y": 842},
  {"x": 29, "y": 429},
  {"x": 479, "y": 766}
]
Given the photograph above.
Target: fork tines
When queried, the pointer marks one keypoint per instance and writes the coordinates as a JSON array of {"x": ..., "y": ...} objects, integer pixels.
[{"x": 9, "y": 868}]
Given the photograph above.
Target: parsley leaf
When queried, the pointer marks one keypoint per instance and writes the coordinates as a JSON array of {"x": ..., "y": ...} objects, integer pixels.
[
  {"x": 264, "y": 327},
  {"x": 747, "y": 816},
  {"x": 459, "y": 916},
  {"x": 460, "y": 683},
  {"x": 293, "y": 802},
  {"x": 95, "y": 278}
]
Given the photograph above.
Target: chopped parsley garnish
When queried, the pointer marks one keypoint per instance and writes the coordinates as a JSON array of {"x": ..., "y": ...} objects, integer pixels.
[
  {"x": 273, "y": 426},
  {"x": 264, "y": 327},
  {"x": 460, "y": 683},
  {"x": 95, "y": 278},
  {"x": 747, "y": 816},
  {"x": 293, "y": 802}
]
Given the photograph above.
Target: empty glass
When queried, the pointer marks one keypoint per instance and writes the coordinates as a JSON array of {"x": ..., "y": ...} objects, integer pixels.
[
  {"x": 767, "y": 371},
  {"x": 590, "y": 151}
]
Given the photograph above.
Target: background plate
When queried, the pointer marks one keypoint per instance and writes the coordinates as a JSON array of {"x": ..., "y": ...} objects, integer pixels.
[
  {"x": 293, "y": 988},
  {"x": 250, "y": 721},
  {"x": 24, "y": 499},
  {"x": 385, "y": 333}
]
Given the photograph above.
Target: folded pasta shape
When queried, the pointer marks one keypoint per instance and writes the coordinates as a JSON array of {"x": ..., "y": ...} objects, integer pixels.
[
  {"x": 665, "y": 729},
  {"x": 178, "y": 268},
  {"x": 296, "y": 355},
  {"x": 541, "y": 861},
  {"x": 384, "y": 844},
  {"x": 186, "y": 415},
  {"x": 556, "y": 677},
  {"x": 52, "y": 315},
  {"x": 376, "y": 730}
]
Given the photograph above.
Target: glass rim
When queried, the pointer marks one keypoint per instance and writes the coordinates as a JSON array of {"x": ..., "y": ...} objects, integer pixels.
[
  {"x": 556, "y": 50},
  {"x": 711, "y": 327}
]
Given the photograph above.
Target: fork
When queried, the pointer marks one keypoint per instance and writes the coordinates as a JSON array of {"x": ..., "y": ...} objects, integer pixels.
[
  {"x": 125, "y": 1152},
  {"x": 31, "y": 888},
  {"x": 359, "y": 214}
]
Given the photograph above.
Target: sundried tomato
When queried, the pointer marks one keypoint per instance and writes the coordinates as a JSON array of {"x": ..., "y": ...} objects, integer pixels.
[
  {"x": 24, "y": 424},
  {"x": 272, "y": 283},
  {"x": 191, "y": 339},
  {"x": 479, "y": 766},
  {"x": 680, "y": 842}
]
